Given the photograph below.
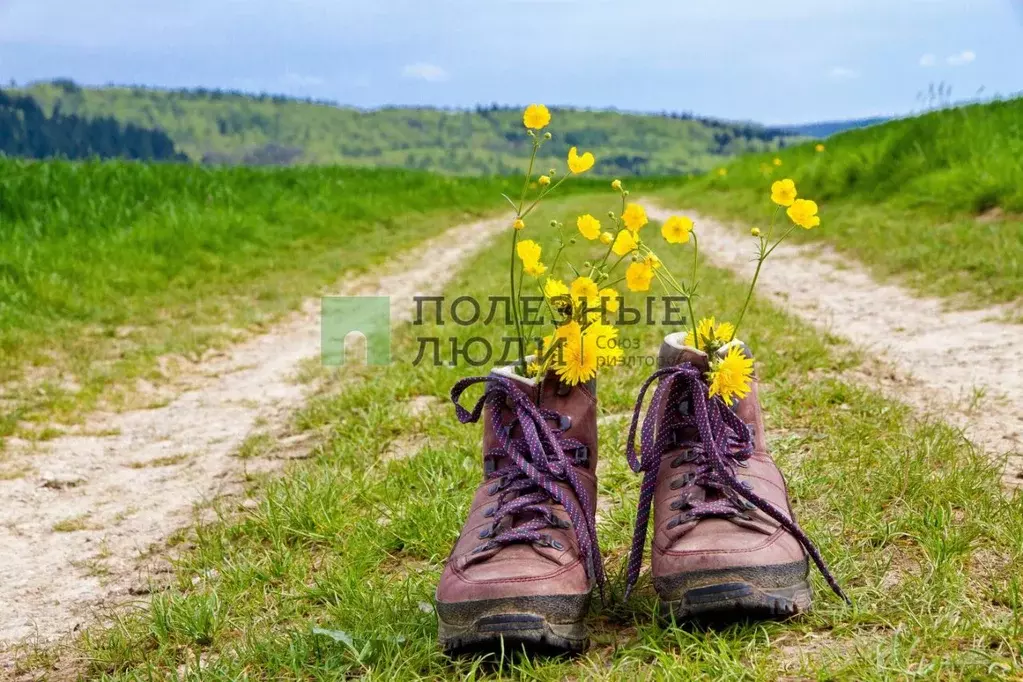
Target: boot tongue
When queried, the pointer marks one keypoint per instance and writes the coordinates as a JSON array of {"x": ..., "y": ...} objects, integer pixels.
[
  {"x": 528, "y": 386},
  {"x": 675, "y": 352}
]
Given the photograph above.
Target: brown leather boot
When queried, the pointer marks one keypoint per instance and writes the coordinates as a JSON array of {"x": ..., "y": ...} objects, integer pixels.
[
  {"x": 527, "y": 559},
  {"x": 725, "y": 545}
]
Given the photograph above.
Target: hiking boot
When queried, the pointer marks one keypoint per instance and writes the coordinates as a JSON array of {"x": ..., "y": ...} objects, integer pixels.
[
  {"x": 725, "y": 544},
  {"x": 527, "y": 559}
]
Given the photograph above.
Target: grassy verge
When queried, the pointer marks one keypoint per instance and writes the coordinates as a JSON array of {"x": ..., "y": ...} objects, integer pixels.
[
  {"x": 935, "y": 200},
  {"x": 353, "y": 540},
  {"x": 105, "y": 267}
]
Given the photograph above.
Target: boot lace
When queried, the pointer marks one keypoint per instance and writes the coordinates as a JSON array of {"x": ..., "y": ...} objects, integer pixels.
[
  {"x": 721, "y": 443},
  {"x": 528, "y": 484}
]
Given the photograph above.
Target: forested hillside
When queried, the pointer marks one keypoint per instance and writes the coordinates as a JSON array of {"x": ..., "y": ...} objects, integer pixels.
[
  {"x": 27, "y": 131},
  {"x": 226, "y": 127}
]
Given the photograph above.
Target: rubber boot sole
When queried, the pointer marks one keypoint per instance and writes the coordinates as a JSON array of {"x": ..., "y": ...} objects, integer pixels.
[
  {"x": 553, "y": 624},
  {"x": 729, "y": 595}
]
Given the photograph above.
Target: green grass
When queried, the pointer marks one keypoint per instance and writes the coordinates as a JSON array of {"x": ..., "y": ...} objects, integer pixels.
[
  {"x": 935, "y": 200},
  {"x": 104, "y": 267},
  {"x": 234, "y": 128},
  {"x": 352, "y": 541}
]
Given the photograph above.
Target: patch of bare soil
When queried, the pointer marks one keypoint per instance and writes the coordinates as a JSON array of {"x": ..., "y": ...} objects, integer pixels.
[
  {"x": 75, "y": 528},
  {"x": 959, "y": 365}
]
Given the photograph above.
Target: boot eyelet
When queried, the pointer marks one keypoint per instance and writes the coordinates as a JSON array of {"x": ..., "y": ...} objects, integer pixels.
[
  {"x": 557, "y": 545},
  {"x": 487, "y": 513},
  {"x": 494, "y": 489},
  {"x": 564, "y": 422},
  {"x": 685, "y": 407},
  {"x": 676, "y": 505},
  {"x": 484, "y": 534},
  {"x": 677, "y": 483},
  {"x": 673, "y": 523}
]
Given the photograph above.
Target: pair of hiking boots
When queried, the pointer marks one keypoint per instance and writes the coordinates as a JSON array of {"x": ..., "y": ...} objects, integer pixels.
[{"x": 725, "y": 544}]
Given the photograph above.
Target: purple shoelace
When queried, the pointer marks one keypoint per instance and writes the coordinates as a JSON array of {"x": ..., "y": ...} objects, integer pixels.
[
  {"x": 529, "y": 482},
  {"x": 724, "y": 442}
]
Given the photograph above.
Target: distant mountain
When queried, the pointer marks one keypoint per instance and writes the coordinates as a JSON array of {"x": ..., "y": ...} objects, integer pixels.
[
  {"x": 27, "y": 131},
  {"x": 829, "y": 128},
  {"x": 213, "y": 126}
]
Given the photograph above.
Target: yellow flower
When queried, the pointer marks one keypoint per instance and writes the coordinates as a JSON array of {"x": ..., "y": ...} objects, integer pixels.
[
  {"x": 638, "y": 276},
  {"x": 803, "y": 212},
  {"x": 634, "y": 217},
  {"x": 536, "y": 117},
  {"x": 731, "y": 376},
  {"x": 676, "y": 229},
  {"x": 589, "y": 226},
  {"x": 783, "y": 192},
  {"x": 819, "y": 148},
  {"x": 624, "y": 243},
  {"x": 722, "y": 172},
  {"x": 610, "y": 299},
  {"x": 606, "y": 238},
  {"x": 755, "y": 231},
  {"x": 519, "y": 223},
  {"x": 777, "y": 161},
  {"x": 554, "y": 288},
  {"x": 583, "y": 352},
  {"x": 653, "y": 261},
  {"x": 528, "y": 250},
  {"x": 605, "y": 338},
  {"x": 535, "y": 268},
  {"x": 544, "y": 180},
  {"x": 616, "y": 185},
  {"x": 584, "y": 289},
  {"x": 710, "y": 330},
  {"x": 579, "y": 164}
]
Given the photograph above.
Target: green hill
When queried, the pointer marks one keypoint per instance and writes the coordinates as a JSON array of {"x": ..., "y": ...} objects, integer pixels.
[
  {"x": 935, "y": 199},
  {"x": 223, "y": 127}
]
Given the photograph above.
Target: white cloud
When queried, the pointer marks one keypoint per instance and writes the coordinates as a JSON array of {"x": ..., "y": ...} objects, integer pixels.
[
  {"x": 961, "y": 59},
  {"x": 841, "y": 73},
  {"x": 928, "y": 60},
  {"x": 431, "y": 73}
]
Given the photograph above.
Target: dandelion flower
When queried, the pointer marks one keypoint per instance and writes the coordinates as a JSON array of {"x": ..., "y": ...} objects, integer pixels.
[
  {"x": 519, "y": 224},
  {"x": 579, "y": 164},
  {"x": 589, "y": 226},
  {"x": 536, "y": 117},
  {"x": 803, "y": 212},
  {"x": 783, "y": 192},
  {"x": 554, "y": 288},
  {"x": 634, "y": 217},
  {"x": 777, "y": 161},
  {"x": 638, "y": 276},
  {"x": 731, "y": 376},
  {"x": 616, "y": 184},
  {"x": 606, "y": 238},
  {"x": 528, "y": 250},
  {"x": 676, "y": 229},
  {"x": 819, "y": 148},
  {"x": 624, "y": 243},
  {"x": 711, "y": 331},
  {"x": 544, "y": 180}
]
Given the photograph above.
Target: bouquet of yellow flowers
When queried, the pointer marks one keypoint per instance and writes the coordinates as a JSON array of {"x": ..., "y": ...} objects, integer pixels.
[{"x": 583, "y": 339}]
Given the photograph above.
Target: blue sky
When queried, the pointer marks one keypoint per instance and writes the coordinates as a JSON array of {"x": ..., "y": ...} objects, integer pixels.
[{"x": 774, "y": 62}]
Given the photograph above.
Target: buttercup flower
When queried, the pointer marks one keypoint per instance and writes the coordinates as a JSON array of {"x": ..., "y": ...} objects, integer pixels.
[
  {"x": 610, "y": 299},
  {"x": 783, "y": 192},
  {"x": 624, "y": 243},
  {"x": 777, "y": 161},
  {"x": 606, "y": 238},
  {"x": 722, "y": 172},
  {"x": 652, "y": 261},
  {"x": 589, "y": 226},
  {"x": 755, "y": 231},
  {"x": 528, "y": 250},
  {"x": 519, "y": 223},
  {"x": 535, "y": 268},
  {"x": 616, "y": 185},
  {"x": 584, "y": 289},
  {"x": 731, "y": 376},
  {"x": 579, "y": 164},
  {"x": 554, "y": 288},
  {"x": 634, "y": 217},
  {"x": 639, "y": 276},
  {"x": 536, "y": 117},
  {"x": 803, "y": 212},
  {"x": 544, "y": 180},
  {"x": 676, "y": 229},
  {"x": 819, "y": 148}
]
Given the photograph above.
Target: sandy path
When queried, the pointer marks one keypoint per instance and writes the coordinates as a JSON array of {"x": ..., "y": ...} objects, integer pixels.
[
  {"x": 134, "y": 489},
  {"x": 961, "y": 365}
]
